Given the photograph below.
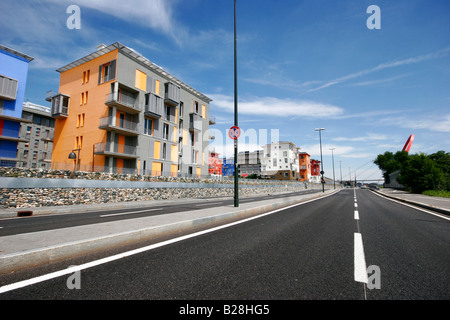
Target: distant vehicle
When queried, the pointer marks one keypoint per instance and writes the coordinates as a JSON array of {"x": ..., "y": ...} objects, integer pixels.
[
  {"x": 363, "y": 187},
  {"x": 374, "y": 186}
]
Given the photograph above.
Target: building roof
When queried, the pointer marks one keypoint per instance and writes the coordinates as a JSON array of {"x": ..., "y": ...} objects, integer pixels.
[
  {"x": 133, "y": 54},
  {"x": 17, "y": 53},
  {"x": 36, "y": 108}
]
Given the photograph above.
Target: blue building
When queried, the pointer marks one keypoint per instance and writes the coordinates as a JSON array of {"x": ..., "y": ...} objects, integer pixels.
[
  {"x": 228, "y": 167},
  {"x": 13, "y": 79}
]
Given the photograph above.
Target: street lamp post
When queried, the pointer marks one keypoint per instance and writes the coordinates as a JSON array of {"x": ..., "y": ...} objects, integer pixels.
[
  {"x": 332, "y": 157},
  {"x": 73, "y": 156},
  {"x": 236, "y": 178},
  {"x": 321, "y": 160}
]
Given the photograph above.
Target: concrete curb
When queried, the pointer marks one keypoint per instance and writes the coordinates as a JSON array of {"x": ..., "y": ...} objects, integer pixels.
[
  {"x": 415, "y": 203},
  {"x": 51, "y": 254}
]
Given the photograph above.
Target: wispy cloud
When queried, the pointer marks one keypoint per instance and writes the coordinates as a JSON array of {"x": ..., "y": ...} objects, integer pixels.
[
  {"x": 435, "y": 55},
  {"x": 436, "y": 124},
  {"x": 276, "y": 107},
  {"x": 366, "y": 138}
]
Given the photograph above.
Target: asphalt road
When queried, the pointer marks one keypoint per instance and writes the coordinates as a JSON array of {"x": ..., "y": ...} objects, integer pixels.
[
  {"x": 11, "y": 226},
  {"x": 309, "y": 251}
]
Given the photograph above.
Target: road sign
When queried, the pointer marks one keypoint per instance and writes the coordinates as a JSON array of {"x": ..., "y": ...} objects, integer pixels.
[{"x": 234, "y": 132}]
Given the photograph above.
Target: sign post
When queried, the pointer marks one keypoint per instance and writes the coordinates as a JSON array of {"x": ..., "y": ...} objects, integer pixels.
[{"x": 234, "y": 134}]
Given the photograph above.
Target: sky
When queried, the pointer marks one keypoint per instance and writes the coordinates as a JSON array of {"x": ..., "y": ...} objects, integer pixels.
[{"x": 301, "y": 65}]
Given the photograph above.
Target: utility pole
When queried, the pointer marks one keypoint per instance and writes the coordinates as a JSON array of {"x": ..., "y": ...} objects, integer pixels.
[
  {"x": 332, "y": 157},
  {"x": 340, "y": 168},
  {"x": 321, "y": 160},
  {"x": 236, "y": 178}
]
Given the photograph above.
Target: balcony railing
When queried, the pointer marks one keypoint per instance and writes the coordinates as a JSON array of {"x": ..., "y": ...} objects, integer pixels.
[
  {"x": 117, "y": 124},
  {"x": 8, "y": 88},
  {"x": 195, "y": 122},
  {"x": 123, "y": 100},
  {"x": 172, "y": 94},
  {"x": 115, "y": 149},
  {"x": 154, "y": 106},
  {"x": 60, "y": 106}
]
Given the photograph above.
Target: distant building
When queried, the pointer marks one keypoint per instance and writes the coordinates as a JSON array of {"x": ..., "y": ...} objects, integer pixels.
[
  {"x": 214, "y": 164},
  {"x": 38, "y": 131},
  {"x": 13, "y": 78},
  {"x": 315, "y": 171},
  {"x": 249, "y": 163},
  {"x": 304, "y": 163},
  {"x": 280, "y": 161}
]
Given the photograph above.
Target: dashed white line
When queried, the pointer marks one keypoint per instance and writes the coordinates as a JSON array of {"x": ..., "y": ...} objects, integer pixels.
[
  {"x": 130, "y": 212},
  {"x": 356, "y": 215},
  {"x": 207, "y": 204},
  {"x": 359, "y": 260}
]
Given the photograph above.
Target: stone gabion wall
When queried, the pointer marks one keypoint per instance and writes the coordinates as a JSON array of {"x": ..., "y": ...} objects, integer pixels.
[
  {"x": 41, "y": 197},
  {"x": 27, "y": 198}
]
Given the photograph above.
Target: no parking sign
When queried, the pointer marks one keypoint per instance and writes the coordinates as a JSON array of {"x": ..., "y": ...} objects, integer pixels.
[{"x": 234, "y": 132}]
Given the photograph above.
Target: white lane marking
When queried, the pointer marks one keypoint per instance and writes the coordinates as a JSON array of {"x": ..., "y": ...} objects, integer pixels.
[
  {"x": 356, "y": 215},
  {"x": 359, "y": 259},
  {"x": 356, "y": 205},
  {"x": 73, "y": 269},
  {"x": 207, "y": 204},
  {"x": 130, "y": 212}
]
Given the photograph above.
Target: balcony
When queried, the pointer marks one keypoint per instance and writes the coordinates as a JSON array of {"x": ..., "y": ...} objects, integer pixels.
[
  {"x": 171, "y": 94},
  {"x": 12, "y": 135},
  {"x": 119, "y": 125},
  {"x": 123, "y": 100},
  {"x": 154, "y": 106},
  {"x": 212, "y": 120},
  {"x": 60, "y": 106},
  {"x": 116, "y": 150},
  {"x": 8, "y": 88},
  {"x": 195, "y": 122}
]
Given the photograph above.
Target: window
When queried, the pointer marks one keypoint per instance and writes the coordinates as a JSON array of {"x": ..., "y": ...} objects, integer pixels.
[
  {"x": 284, "y": 153},
  {"x": 35, "y": 155},
  {"x": 166, "y": 132},
  {"x": 38, "y": 132},
  {"x": 25, "y": 154},
  {"x": 107, "y": 72},
  {"x": 164, "y": 151},
  {"x": 274, "y": 161},
  {"x": 181, "y": 108},
  {"x": 167, "y": 113},
  {"x": 148, "y": 125},
  {"x": 36, "y": 143}
]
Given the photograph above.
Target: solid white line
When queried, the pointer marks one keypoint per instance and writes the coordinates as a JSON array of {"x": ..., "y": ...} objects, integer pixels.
[
  {"x": 359, "y": 260},
  {"x": 73, "y": 269},
  {"x": 356, "y": 215},
  {"x": 414, "y": 207},
  {"x": 130, "y": 212}
]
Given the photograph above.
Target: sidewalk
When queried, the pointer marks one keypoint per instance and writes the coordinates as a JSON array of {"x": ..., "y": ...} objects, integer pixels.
[
  {"x": 438, "y": 204},
  {"x": 39, "y": 248}
]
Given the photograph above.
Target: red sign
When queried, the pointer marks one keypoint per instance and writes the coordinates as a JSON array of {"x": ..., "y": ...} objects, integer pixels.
[{"x": 234, "y": 132}]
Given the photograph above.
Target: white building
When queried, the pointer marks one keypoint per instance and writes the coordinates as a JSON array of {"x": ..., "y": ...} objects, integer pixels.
[{"x": 280, "y": 161}]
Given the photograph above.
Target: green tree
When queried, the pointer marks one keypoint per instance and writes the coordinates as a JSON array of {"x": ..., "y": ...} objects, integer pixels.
[
  {"x": 420, "y": 173},
  {"x": 390, "y": 162}
]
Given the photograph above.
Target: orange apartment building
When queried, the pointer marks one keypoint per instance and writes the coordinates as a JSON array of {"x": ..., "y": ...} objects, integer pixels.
[
  {"x": 119, "y": 112},
  {"x": 304, "y": 162}
]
